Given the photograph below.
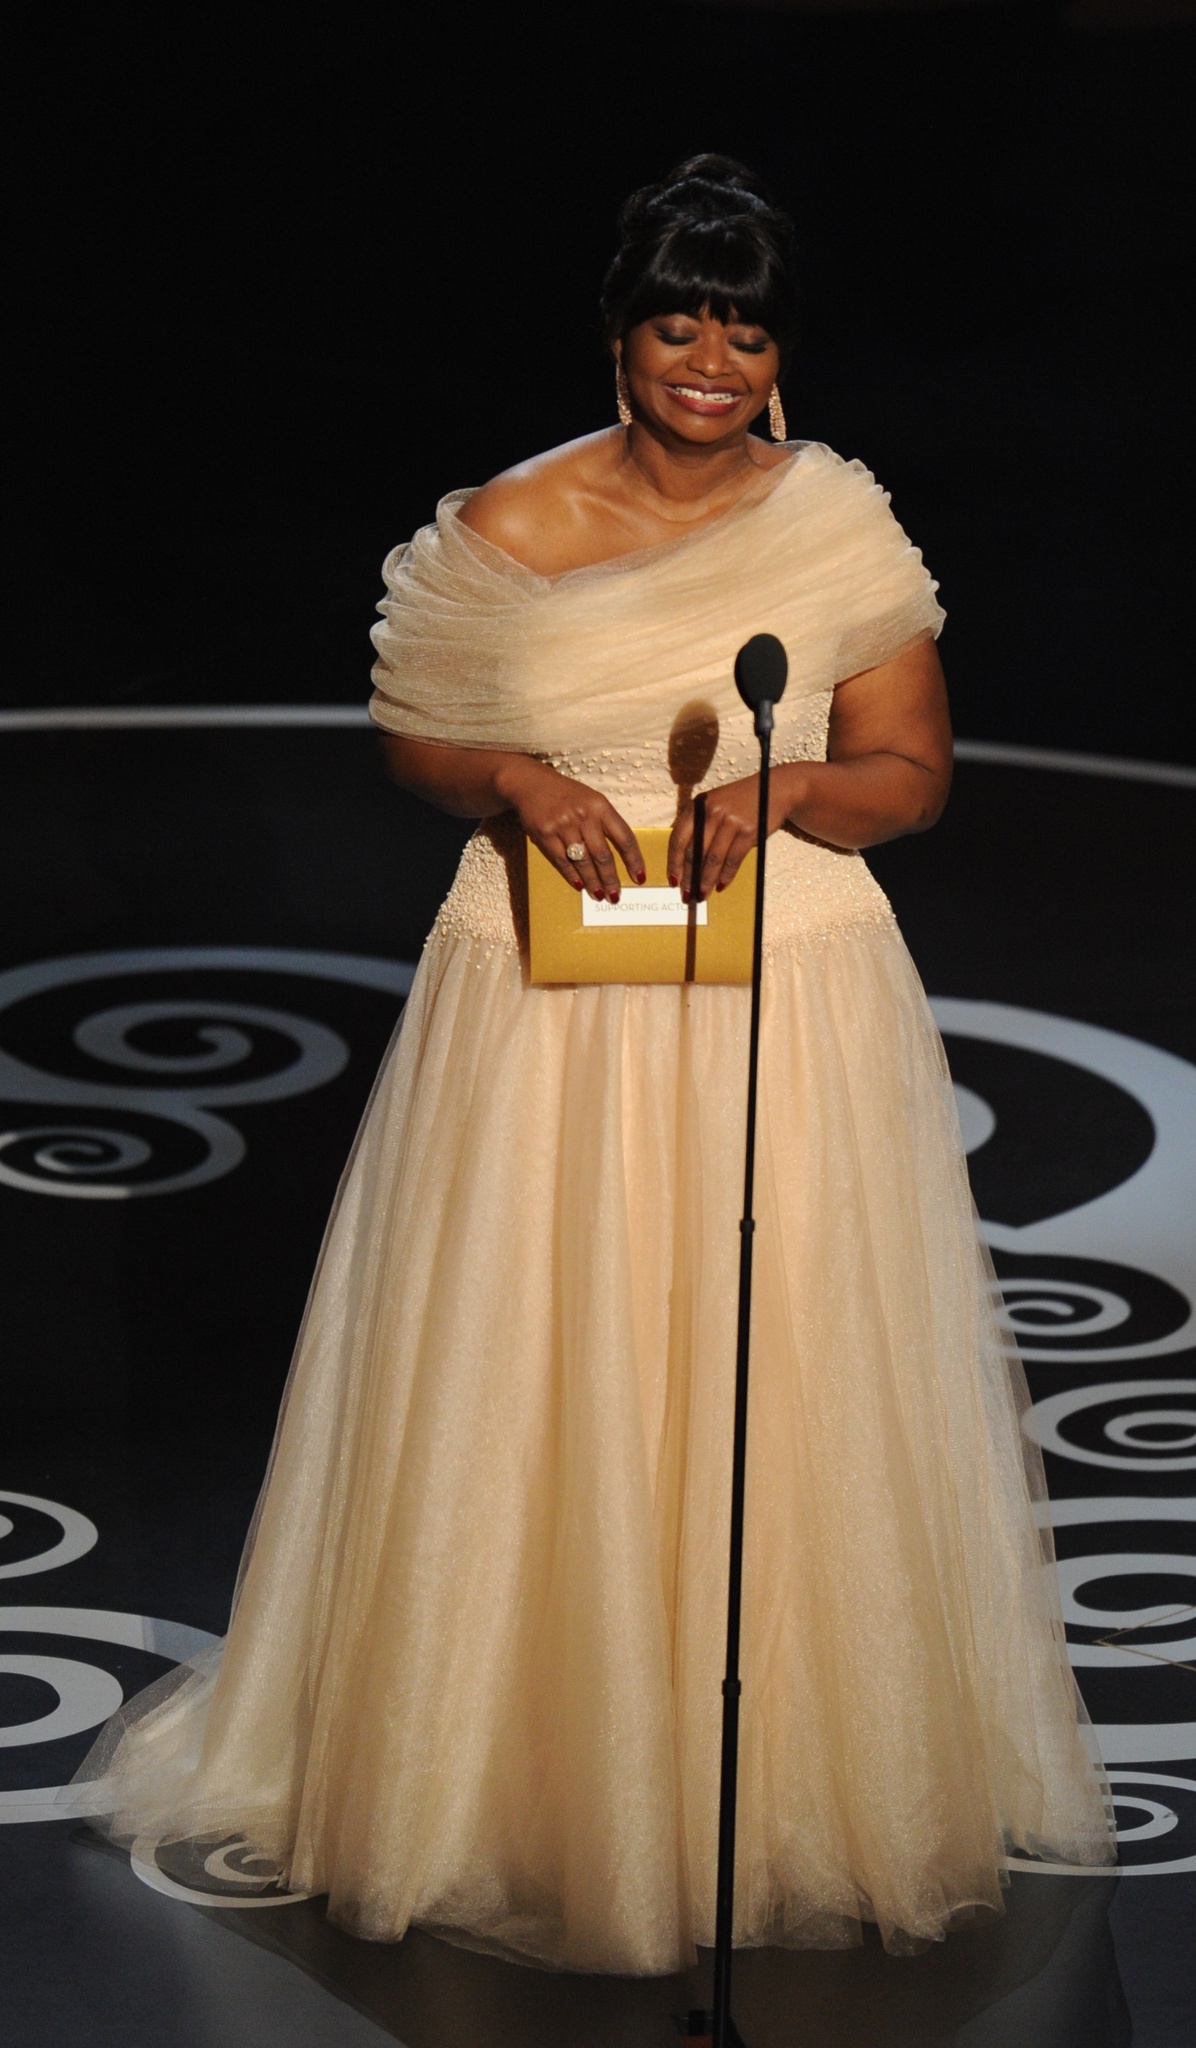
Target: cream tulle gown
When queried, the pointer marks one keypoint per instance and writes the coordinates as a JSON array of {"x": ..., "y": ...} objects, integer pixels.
[{"x": 472, "y": 1678}]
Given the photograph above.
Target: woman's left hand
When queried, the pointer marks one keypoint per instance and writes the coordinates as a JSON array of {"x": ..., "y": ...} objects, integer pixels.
[{"x": 732, "y": 815}]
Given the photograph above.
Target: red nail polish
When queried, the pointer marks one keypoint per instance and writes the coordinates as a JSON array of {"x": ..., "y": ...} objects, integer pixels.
[{"x": 642, "y": 878}]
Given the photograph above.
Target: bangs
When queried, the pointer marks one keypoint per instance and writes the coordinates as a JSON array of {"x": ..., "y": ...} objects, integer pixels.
[
  {"x": 720, "y": 265},
  {"x": 708, "y": 237}
]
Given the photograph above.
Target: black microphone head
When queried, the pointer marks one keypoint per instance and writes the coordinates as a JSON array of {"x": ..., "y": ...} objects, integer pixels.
[{"x": 761, "y": 670}]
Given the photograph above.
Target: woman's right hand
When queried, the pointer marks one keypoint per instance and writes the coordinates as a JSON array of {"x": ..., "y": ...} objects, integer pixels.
[{"x": 557, "y": 812}]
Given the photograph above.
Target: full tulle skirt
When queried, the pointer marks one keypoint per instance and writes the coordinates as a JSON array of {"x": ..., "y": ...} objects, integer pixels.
[{"x": 473, "y": 1676}]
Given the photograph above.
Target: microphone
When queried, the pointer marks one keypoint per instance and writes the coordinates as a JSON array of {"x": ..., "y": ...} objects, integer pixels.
[{"x": 761, "y": 671}]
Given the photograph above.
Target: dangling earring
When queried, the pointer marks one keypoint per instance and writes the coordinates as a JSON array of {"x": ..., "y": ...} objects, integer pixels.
[
  {"x": 776, "y": 415},
  {"x": 623, "y": 396}
]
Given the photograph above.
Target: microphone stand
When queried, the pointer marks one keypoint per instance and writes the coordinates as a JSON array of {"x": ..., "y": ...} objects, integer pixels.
[
  {"x": 718, "y": 2026},
  {"x": 761, "y": 668},
  {"x": 725, "y": 2032}
]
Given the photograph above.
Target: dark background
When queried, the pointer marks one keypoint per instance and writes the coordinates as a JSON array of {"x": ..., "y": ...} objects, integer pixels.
[{"x": 278, "y": 283}]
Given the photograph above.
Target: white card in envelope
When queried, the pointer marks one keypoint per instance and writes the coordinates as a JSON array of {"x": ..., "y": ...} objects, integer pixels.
[{"x": 641, "y": 906}]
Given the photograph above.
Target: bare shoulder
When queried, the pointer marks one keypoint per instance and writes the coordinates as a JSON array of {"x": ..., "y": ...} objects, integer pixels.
[{"x": 530, "y": 511}]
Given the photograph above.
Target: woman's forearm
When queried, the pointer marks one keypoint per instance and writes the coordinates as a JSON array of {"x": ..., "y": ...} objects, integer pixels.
[
  {"x": 470, "y": 782},
  {"x": 574, "y": 826},
  {"x": 859, "y": 802}
]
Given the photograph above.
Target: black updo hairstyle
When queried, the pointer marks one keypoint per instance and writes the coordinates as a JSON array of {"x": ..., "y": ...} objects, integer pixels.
[{"x": 709, "y": 235}]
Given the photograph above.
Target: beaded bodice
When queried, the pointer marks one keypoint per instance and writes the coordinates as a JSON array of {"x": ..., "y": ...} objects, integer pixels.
[
  {"x": 814, "y": 890},
  {"x": 645, "y": 782}
]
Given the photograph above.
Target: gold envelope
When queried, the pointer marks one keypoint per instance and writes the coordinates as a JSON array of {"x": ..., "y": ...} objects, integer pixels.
[{"x": 573, "y": 939}]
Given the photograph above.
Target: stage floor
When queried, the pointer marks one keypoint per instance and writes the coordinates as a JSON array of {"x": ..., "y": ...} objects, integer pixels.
[{"x": 208, "y": 934}]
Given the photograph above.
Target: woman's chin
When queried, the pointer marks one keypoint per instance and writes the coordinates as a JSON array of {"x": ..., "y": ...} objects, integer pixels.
[{"x": 701, "y": 430}]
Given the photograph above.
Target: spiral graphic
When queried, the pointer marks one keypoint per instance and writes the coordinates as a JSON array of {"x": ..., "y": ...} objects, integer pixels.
[
  {"x": 106, "y": 1036},
  {"x": 154, "y": 1128},
  {"x": 1071, "y": 1308},
  {"x": 86, "y": 1695},
  {"x": 1104, "y": 1224},
  {"x": 1142, "y": 1631},
  {"x": 235, "y": 1863},
  {"x": 1164, "y": 1817},
  {"x": 1051, "y": 1308},
  {"x": 95, "y": 1163},
  {"x": 79, "y": 1535},
  {"x": 87, "y": 1149},
  {"x": 144, "y": 1855},
  {"x": 1160, "y": 1819},
  {"x": 86, "y": 1153},
  {"x": 1044, "y": 1424}
]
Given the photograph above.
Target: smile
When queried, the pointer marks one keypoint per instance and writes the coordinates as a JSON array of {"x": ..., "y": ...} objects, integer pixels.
[{"x": 703, "y": 401}]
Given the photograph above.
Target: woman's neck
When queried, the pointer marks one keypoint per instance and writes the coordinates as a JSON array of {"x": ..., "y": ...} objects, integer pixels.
[{"x": 684, "y": 476}]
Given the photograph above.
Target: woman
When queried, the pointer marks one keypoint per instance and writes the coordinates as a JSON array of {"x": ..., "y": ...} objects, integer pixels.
[{"x": 472, "y": 1679}]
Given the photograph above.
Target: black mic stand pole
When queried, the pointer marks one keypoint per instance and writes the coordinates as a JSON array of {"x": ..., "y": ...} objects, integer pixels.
[
  {"x": 725, "y": 2033},
  {"x": 761, "y": 667}
]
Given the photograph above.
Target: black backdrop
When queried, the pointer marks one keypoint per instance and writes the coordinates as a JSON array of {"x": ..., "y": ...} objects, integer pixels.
[{"x": 279, "y": 284}]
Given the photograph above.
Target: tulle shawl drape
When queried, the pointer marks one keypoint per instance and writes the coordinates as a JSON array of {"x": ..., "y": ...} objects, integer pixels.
[{"x": 476, "y": 650}]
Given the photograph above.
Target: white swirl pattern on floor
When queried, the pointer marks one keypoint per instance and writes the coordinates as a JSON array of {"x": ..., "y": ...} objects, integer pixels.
[{"x": 99, "y": 1160}]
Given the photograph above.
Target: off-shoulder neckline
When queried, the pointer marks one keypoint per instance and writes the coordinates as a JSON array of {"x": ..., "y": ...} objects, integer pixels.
[{"x": 748, "y": 501}]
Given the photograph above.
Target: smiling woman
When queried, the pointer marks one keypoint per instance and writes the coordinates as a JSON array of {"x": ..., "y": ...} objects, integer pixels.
[
  {"x": 699, "y": 307},
  {"x": 472, "y": 1679},
  {"x": 699, "y": 310}
]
